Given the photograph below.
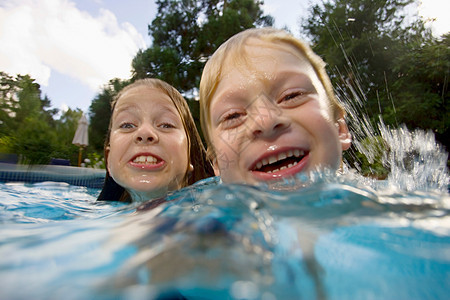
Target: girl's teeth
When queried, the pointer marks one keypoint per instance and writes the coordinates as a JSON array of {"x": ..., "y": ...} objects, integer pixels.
[
  {"x": 297, "y": 153},
  {"x": 145, "y": 159}
]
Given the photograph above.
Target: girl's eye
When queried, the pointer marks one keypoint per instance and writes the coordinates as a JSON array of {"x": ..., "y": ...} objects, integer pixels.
[
  {"x": 127, "y": 125},
  {"x": 167, "y": 125}
]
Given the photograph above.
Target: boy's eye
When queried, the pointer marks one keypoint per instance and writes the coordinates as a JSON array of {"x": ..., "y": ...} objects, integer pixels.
[
  {"x": 233, "y": 119},
  {"x": 232, "y": 116},
  {"x": 294, "y": 99}
]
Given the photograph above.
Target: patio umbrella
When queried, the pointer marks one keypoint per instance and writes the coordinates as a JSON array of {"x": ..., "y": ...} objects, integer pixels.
[{"x": 81, "y": 136}]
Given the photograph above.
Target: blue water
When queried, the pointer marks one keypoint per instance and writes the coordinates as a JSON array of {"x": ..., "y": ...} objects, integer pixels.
[{"x": 319, "y": 237}]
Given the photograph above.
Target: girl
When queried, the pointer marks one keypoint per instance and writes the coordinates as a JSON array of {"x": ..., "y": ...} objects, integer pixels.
[{"x": 152, "y": 146}]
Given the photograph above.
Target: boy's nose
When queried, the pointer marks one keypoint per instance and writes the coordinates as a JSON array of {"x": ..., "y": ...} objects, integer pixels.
[
  {"x": 267, "y": 123},
  {"x": 146, "y": 134},
  {"x": 269, "y": 130}
]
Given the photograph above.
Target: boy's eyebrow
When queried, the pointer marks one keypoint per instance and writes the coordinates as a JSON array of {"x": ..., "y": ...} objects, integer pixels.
[
  {"x": 298, "y": 78},
  {"x": 231, "y": 97},
  {"x": 302, "y": 79}
]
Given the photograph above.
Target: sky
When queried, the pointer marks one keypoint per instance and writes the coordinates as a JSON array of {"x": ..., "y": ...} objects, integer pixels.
[{"x": 72, "y": 48}]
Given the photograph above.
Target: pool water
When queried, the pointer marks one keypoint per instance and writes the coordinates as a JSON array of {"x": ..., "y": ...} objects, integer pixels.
[{"x": 317, "y": 237}]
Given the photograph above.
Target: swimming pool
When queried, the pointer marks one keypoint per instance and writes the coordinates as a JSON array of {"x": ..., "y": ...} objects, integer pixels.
[
  {"x": 338, "y": 238},
  {"x": 319, "y": 236}
]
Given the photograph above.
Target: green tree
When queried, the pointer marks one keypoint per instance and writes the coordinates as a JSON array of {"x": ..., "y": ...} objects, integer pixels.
[
  {"x": 185, "y": 33},
  {"x": 35, "y": 141},
  {"x": 20, "y": 98},
  {"x": 8, "y": 100},
  {"x": 28, "y": 127},
  {"x": 359, "y": 40},
  {"x": 421, "y": 89},
  {"x": 382, "y": 61},
  {"x": 100, "y": 113},
  {"x": 65, "y": 128}
]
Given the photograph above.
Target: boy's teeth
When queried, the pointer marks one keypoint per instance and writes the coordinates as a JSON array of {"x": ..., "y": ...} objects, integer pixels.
[
  {"x": 274, "y": 158},
  {"x": 283, "y": 167},
  {"x": 291, "y": 165},
  {"x": 297, "y": 153}
]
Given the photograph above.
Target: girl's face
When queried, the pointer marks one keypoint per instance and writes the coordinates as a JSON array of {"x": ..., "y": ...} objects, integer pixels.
[
  {"x": 148, "y": 150},
  {"x": 271, "y": 118}
]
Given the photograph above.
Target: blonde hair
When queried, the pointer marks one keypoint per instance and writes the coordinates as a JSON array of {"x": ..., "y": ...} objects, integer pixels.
[
  {"x": 233, "y": 50},
  {"x": 196, "y": 150}
]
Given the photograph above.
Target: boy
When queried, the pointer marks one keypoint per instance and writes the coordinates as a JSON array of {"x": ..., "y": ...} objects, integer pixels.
[{"x": 268, "y": 110}]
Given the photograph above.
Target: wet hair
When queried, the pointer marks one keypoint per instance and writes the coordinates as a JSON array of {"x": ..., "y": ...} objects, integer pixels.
[
  {"x": 233, "y": 52},
  {"x": 196, "y": 151}
]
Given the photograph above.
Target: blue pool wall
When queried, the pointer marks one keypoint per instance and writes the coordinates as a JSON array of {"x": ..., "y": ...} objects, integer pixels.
[{"x": 92, "y": 178}]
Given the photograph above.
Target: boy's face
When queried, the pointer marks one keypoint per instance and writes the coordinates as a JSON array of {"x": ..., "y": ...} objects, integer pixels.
[
  {"x": 270, "y": 118},
  {"x": 148, "y": 151}
]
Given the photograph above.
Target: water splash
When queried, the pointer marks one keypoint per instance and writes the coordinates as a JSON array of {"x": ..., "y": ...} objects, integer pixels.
[
  {"x": 416, "y": 161},
  {"x": 408, "y": 160}
]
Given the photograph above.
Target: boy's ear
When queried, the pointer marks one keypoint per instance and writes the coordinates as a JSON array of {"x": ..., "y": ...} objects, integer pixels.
[
  {"x": 344, "y": 135},
  {"x": 215, "y": 166}
]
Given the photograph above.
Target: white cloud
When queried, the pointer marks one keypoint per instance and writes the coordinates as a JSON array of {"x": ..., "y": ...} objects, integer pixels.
[
  {"x": 287, "y": 13},
  {"x": 436, "y": 12},
  {"x": 37, "y": 36}
]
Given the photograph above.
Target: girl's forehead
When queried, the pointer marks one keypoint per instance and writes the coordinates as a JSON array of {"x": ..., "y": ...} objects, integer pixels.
[
  {"x": 144, "y": 95},
  {"x": 145, "y": 101}
]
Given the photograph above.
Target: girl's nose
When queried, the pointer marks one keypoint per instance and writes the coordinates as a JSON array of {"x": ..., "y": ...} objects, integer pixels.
[{"x": 146, "y": 134}]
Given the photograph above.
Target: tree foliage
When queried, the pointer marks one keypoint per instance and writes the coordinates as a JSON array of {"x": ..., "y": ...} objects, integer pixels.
[
  {"x": 378, "y": 53},
  {"x": 100, "y": 113},
  {"x": 421, "y": 89},
  {"x": 28, "y": 128},
  {"x": 185, "y": 33}
]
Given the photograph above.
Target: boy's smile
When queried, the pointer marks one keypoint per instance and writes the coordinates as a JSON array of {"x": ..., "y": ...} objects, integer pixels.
[
  {"x": 271, "y": 118},
  {"x": 279, "y": 164}
]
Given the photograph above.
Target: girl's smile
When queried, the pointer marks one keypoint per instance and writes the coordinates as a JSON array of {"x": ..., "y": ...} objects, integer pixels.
[
  {"x": 147, "y": 162},
  {"x": 148, "y": 153}
]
